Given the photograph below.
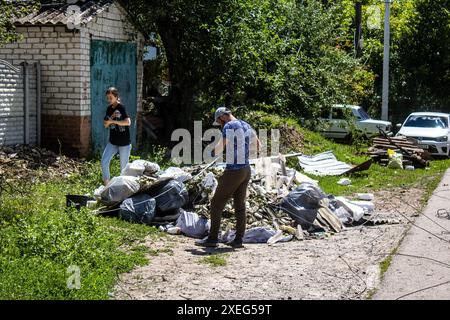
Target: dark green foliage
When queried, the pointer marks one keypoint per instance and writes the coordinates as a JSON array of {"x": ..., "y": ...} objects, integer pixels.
[
  {"x": 277, "y": 55},
  {"x": 421, "y": 64},
  {"x": 9, "y": 10},
  {"x": 420, "y": 59}
]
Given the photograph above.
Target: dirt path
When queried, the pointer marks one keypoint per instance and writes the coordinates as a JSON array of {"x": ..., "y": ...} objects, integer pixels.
[
  {"x": 344, "y": 266},
  {"x": 429, "y": 277}
]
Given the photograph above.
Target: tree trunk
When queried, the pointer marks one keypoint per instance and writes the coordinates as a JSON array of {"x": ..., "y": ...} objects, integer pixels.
[{"x": 178, "y": 110}]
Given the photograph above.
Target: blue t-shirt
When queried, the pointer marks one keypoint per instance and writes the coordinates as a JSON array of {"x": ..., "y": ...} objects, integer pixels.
[{"x": 238, "y": 134}]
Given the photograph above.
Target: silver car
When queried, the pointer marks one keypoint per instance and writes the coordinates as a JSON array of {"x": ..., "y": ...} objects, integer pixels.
[{"x": 336, "y": 123}]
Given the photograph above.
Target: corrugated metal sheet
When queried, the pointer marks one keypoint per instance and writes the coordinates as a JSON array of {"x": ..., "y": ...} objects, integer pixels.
[
  {"x": 324, "y": 164},
  {"x": 62, "y": 13}
]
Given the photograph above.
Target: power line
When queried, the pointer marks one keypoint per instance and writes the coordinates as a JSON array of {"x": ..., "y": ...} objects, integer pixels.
[
  {"x": 423, "y": 289},
  {"x": 419, "y": 227},
  {"x": 424, "y": 215}
]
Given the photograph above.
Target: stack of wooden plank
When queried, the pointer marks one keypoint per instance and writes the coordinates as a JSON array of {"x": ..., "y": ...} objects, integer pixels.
[{"x": 412, "y": 153}]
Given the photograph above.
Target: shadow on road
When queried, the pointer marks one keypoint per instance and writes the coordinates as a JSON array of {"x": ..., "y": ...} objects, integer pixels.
[{"x": 209, "y": 251}]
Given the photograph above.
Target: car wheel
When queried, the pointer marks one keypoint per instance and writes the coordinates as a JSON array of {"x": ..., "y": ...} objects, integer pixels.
[{"x": 348, "y": 138}]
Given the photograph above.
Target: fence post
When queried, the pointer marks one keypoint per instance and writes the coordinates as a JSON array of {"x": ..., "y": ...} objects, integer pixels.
[
  {"x": 38, "y": 102},
  {"x": 26, "y": 103}
]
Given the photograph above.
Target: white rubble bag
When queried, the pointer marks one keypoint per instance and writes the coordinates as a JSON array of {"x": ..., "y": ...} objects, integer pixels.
[
  {"x": 98, "y": 192},
  {"x": 256, "y": 235},
  {"x": 150, "y": 167},
  {"x": 177, "y": 174},
  {"x": 209, "y": 185},
  {"x": 355, "y": 210},
  {"x": 133, "y": 170},
  {"x": 140, "y": 167},
  {"x": 119, "y": 189},
  {"x": 192, "y": 225}
]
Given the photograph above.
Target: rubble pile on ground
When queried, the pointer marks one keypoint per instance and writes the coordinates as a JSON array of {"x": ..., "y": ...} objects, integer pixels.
[
  {"x": 24, "y": 161},
  {"x": 412, "y": 154},
  {"x": 282, "y": 203},
  {"x": 259, "y": 205},
  {"x": 290, "y": 136}
]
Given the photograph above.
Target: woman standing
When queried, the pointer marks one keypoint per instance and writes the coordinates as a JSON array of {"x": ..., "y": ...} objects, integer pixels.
[{"x": 118, "y": 121}]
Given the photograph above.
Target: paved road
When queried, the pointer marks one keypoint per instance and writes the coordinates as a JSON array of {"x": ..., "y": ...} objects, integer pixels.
[{"x": 430, "y": 278}]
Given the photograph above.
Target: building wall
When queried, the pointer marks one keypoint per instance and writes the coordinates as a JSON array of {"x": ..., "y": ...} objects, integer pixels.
[
  {"x": 112, "y": 25},
  {"x": 58, "y": 49},
  {"x": 65, "y": 59}
]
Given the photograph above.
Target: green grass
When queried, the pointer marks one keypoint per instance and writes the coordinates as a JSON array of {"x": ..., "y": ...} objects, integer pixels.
[
  {"x": 386, "y": 263},
  {"x": 41, "y": 240},
  {"x": 383, "y": 266},
  {"x": 382, "y": 178},
  {"x": 215, "y": 260}
]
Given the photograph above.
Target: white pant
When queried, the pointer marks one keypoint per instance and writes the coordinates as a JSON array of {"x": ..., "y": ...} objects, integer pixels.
[{"x": 110, "y": 151}]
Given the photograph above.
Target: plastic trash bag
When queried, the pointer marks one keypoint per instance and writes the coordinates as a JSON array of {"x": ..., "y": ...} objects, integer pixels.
[
  {"x": 140, "y": 167},
  {"x": 255, "y": 235},
  {"x": 343, "y": 215},
  {"x": 119, "y": 189},
  {"x": 278, "y": 237},
  {"x": 166, "y": 218},
  {"x": 98, "y": 192},
  {"x": 176, "y": 173},
  {"x": 356, "y": 211},
  {"x": 133, "y": 170},
  {"x": 395, "y": 161},
  {"x": 171, "y": 196},
  {"x": 302, "y": 204},
  {"x": 368, "y": 206},
  {"x": 192, "y": 225},
  {"x": 138, "y": 209},
  {"x": 150, "y": 167},
  {"x": 209, "y": 185}
]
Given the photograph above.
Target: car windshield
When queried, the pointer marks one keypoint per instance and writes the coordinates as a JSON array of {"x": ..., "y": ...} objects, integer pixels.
[
  {"x": 363, "y": 114},
  {"x": 427, "y": 122}
]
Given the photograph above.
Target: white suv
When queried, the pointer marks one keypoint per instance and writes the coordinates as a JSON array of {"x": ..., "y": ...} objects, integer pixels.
[
  {"x": 430, "y": 129},
  {"x": 336, "y": 122}
]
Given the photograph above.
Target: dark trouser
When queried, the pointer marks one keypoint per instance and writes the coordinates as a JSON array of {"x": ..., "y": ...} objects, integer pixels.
[{"x": 233, "y": 183}]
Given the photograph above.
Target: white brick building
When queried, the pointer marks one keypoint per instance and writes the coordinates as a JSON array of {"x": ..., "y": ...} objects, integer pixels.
[{"x": 82, "y": 50}]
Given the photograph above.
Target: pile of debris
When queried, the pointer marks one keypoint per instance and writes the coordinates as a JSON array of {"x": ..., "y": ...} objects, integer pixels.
[
  {"x": 409, "y": 149},
  {"x": 22, "y": 162},
  {"x": 282, "y": 203},
  {"x": 290, "y": 136}
]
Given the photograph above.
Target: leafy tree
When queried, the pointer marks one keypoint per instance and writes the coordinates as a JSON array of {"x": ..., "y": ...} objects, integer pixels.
[
  {"x": 180, "y": 28},
  {"x": 419, "y": 52},
  {"x": 11, "y": 10},
  {"x": 288, "y": 58},
  {"x": 277, "y": 55},
  {"x": 421, "y": 64}
]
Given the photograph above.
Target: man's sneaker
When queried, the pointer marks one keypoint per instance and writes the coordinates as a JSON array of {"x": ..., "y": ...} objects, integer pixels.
[
  {"x": 236, "y": 243},
  {"x": 207, "y": 242}
]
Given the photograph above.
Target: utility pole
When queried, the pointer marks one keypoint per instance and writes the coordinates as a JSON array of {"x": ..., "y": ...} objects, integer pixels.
[
  {"x": 387, "y": 42},
  {"x": 358, "y": 29}
]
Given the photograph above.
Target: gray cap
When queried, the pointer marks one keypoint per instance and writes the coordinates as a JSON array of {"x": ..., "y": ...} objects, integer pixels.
[{"x": 220, "y": 112}]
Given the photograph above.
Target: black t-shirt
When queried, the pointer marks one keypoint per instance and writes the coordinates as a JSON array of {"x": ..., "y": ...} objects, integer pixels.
[{"x": 118, "y": 135}]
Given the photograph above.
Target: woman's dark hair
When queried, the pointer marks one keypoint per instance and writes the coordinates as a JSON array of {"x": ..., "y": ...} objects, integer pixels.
[{"x": 113, "y": 91}]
